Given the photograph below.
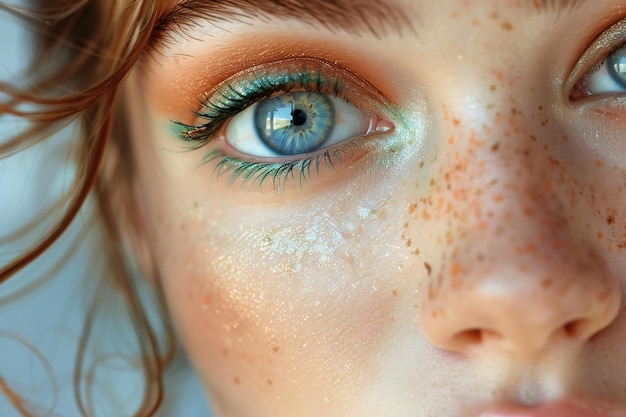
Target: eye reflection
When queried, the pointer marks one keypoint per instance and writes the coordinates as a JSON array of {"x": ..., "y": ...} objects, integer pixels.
[
  {"x": 295, "y": 123},
  {"x": 617, "y": 66}
]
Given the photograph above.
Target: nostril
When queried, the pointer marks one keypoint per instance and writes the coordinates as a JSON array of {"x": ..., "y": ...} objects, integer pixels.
[
  {"x": 475, "y": 337},
  {"x": 572, "y": 328},
  {"x": 470, "y": 337},
  {"x": 581, "y": 328}
]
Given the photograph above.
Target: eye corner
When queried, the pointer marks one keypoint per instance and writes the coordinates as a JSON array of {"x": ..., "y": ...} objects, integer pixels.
[{"x": 584, "y": 81}]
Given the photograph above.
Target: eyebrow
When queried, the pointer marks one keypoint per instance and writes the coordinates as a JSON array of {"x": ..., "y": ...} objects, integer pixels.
[{"x": 377, "y": 17}]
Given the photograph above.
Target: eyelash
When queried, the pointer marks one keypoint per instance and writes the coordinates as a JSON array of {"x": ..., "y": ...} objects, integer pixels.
[
  {"x": 278, "y": 172},
  {"x": 245, "y": 89},
  {"x": 231, "y": 102}
]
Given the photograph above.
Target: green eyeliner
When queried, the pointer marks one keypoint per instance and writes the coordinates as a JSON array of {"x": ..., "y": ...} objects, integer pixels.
[{"x": 231, "y": 97}]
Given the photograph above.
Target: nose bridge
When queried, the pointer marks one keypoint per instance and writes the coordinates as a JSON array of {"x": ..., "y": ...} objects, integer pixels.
[
  {"x": 517, "y": 274},
  {"x": 503, "y": 180}
]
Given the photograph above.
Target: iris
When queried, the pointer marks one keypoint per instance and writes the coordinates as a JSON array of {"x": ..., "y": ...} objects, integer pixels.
[
  {"x": 617, "y": 66},
  {"x": 295, "y": 123}
]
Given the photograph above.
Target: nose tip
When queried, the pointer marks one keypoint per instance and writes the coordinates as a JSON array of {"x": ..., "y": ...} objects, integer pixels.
[{"x": 519, "y": 312}]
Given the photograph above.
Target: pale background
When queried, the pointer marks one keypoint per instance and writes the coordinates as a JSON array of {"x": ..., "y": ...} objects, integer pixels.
[{"x": 49, "y": 317}]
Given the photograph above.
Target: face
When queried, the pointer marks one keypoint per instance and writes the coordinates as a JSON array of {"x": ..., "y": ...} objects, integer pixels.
[{"x": 397, "y": 209}]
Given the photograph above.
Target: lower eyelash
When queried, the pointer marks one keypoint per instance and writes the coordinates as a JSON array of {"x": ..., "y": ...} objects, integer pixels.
[{"x": 278, "y": 173}]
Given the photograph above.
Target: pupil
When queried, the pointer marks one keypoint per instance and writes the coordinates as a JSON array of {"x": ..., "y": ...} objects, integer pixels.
[{"x": 299, "y": 117}]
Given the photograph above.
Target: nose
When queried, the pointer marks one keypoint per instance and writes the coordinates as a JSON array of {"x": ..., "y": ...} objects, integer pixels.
[
  {"x": 519, "y": 308},
  {"x": 519, "y": 277}
]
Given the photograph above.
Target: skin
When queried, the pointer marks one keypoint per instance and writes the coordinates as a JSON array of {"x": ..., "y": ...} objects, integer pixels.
[{"x": 472, "y": 257}]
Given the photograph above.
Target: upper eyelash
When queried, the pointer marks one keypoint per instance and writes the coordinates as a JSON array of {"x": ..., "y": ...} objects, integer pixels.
[
  {"x": 232, "y": 101},
  {"x": 253, "y": 85}
]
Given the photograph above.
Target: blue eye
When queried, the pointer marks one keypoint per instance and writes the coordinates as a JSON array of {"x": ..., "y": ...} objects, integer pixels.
[
  {"x": 287, "y": 120},
  {"x": 295, "y": 123},
  {"x": 610, "y": 77}
]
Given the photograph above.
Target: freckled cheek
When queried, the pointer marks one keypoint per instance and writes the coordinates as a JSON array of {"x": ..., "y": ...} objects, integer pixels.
[{"x": 267, "y": 306}]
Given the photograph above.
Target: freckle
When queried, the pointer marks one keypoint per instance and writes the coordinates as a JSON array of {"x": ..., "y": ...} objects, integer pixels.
[
  {"x": 270, "y": 382},
  {"x": 498, "y": 198},
  {"x": 394, "y": 293},
  {"x": 455, "y": 283},
  {"x": 600, "y": 235},
  {"x": 456, "y": 122},
  {"x": 494, "y": 16},
  {"x": 409, "y": 242},
  {"x": 428, "y": 268},
  {"x": 495, "y": 147},
  {"x": 406, "y": 225},
  {"x": 208, "y": 299},
  {"x": 507, "y": 26},
  {"x": 475, "y": 22},
  {"x": 546, "y": 283},
  {"x": 236, "y": 380},
  {"x": 425, "y": 215},
  {"x": 599, "y": 163},
  {"x": 412, "y": 208},
  {"x": 529, "y": 212},
  {"x": 610, "y": 220},
  {"x": 475, "y": 141},
  {"x": 547, "y": 184},
  {"x": 554, "y": 162},
  {"x": 455, "y": 269},
  {"x": 533, "y": 138},
  {"x": 195, "y": 204},
  {"x": 275, "y": 349},
  {"x": 225, "y": 352},
  {"x": 492, "y": 87}
]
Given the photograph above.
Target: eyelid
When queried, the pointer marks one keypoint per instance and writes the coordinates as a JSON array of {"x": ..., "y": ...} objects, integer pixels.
[
  {"x": 607, "y": 42},
  {"x": 272, "y": 78},
  {"x": 330, "y": 70}
]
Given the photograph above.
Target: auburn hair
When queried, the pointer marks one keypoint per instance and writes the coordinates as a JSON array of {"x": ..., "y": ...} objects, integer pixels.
[{"x": 83, "y": 51}]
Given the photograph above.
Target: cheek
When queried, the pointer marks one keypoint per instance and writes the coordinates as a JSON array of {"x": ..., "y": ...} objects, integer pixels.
[{"x": 290, "y": 305}]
